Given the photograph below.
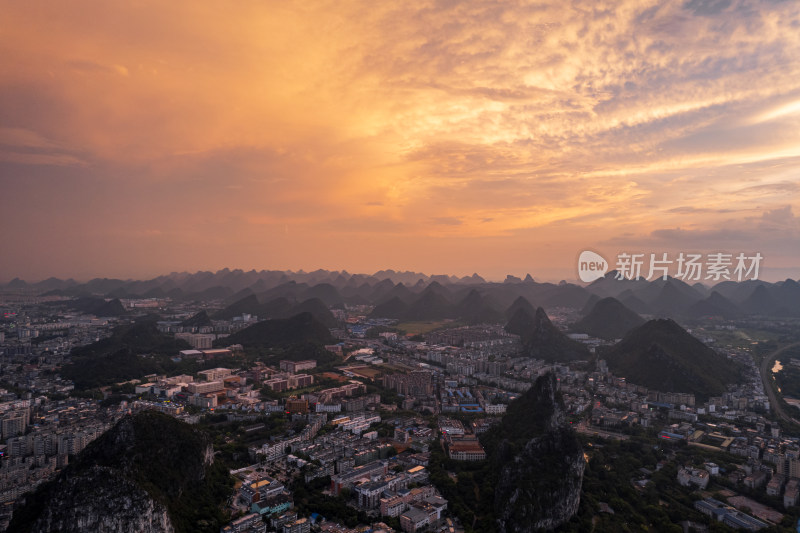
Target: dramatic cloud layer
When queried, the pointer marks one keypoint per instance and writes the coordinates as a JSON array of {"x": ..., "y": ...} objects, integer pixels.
[{"x": 495, "y": 137}]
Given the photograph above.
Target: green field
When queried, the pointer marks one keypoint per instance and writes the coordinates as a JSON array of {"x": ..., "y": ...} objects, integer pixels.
[
  {"x": 740, "y": 338},
  {"x": 421, "y": 328}
]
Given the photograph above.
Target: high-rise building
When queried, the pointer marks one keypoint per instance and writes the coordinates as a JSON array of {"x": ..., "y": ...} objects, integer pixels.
[{"x": 15, "y": 423}]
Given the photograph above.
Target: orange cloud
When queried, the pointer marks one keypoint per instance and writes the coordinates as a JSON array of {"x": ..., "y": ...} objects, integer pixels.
[{"x": 286, "y": 134}]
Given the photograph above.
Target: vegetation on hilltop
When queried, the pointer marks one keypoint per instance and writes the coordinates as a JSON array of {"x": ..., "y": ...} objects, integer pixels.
[
  {"x": 663, "y": 356},
  {"x": 528, "y": 474},
  {"x": 281, "y": 331},
  {"x": 120, "y": 356},
  {"x": 279, "y": 307},
  {"x": 541, "y": 339},
  {"x": 609, "y": 319},
  {"x": 151, "y": 452},
  {"x": 197, "y": 320},
  {"x": 299, "y": 337},
  {"x": 93, "y": 305}
]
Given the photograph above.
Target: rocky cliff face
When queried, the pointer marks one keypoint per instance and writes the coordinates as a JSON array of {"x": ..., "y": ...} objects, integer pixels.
[
  {"x": 102, "y": 500},
  {"x": 149, "y": 473},
  {"x": 543, "y": 340},
  {"x": 541, "y": 473}
]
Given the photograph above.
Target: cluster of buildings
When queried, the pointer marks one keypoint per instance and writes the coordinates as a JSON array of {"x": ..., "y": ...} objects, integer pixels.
[
  {"x": 486, "y": 338},
  {"x": 728, "y": 515},
  {"x": 405, "y": 494},
  {"x": 241, "y": 390},
  {"x": 360, "y": 464},
  {"x": 291, "y": 376},
  {"x": 40, "y": 437},
  {"x": 739, "y": 428},
  {"x": 417, "y": 383},
  {"x": 467, "y": 370},
  {"x": 460, "y": 443},
  {"x": 206, "y": 354},
  {"x": 212, "y": 388},
  {"x": 264, "y": 495},
  {"x": 32, "y": 328},
  {"x": 615, "y": 402}
]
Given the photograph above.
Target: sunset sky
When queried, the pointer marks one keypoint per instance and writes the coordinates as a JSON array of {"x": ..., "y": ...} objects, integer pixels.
[{"x": 139, "y": 138}]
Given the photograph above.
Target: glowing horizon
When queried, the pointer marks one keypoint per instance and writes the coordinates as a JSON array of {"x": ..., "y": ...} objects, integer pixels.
[{"x": 438, "y": 137}]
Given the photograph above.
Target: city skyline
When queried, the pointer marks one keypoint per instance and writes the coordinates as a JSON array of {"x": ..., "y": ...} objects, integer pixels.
[{"x": 444, "y": 138}]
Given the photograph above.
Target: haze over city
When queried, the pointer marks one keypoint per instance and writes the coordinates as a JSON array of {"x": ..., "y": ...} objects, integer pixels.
[{"x": 441, "y": 137}]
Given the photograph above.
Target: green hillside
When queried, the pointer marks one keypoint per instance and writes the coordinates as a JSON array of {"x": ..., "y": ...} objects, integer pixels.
[
  {"x": 132, "y": 351},
  {"x": 609, "y": 319},
  {"x": 299, "y": 337},
  {"x": 198, "y": 320},
  {"x": 542, "y": 340},
  {"x": 146, "y": 462},
  {"x": 661, "y": 355}
]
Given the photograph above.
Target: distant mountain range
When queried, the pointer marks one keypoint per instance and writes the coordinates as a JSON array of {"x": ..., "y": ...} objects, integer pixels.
[{"x": 415, "y": 296}]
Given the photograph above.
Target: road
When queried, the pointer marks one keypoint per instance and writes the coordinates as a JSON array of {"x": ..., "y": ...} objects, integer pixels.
[
  {"x": 586, "y": 429},
  {"x": 770, "y": 387}
]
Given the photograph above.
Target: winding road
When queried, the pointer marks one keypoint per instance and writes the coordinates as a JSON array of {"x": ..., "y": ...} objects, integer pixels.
[{"x": 769, "y": 387}]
